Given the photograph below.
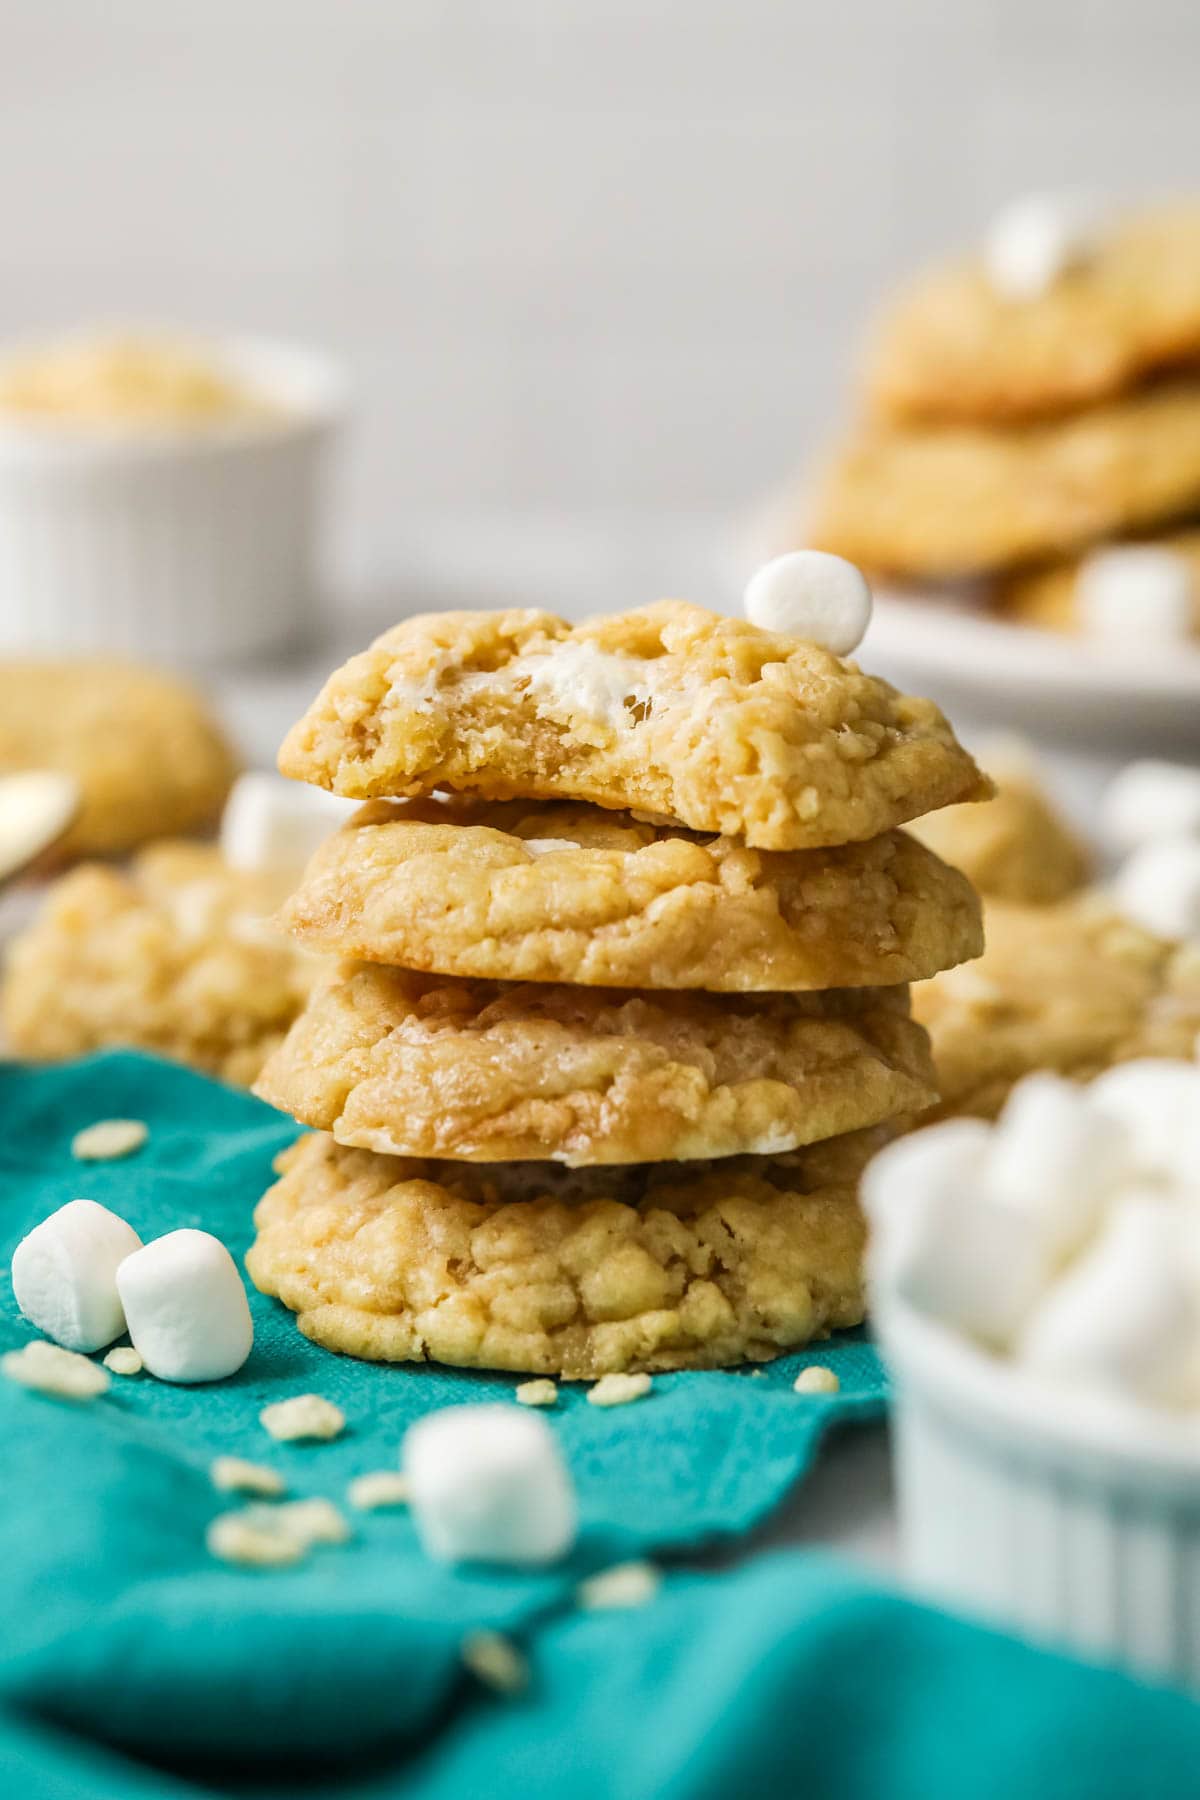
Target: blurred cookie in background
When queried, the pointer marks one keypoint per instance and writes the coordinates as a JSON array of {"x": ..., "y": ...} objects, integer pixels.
[
  {"x": 150, "y": 758},
  {"x": 1119, "y": 592}
]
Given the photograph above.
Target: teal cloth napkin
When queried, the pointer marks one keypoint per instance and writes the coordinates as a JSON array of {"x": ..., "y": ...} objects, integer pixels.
[
  {"x": 134, "y": 1667},
  {"x": 116, "y": 1619}
]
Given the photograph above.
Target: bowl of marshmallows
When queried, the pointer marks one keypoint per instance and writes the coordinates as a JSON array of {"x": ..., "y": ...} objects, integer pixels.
[{"x": 1036, "y": 1291}]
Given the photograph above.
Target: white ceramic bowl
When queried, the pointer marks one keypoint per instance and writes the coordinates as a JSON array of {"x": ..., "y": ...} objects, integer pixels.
[
  {"x": 174, "y": 543},
  {"x": 1073, "y": 1521}
]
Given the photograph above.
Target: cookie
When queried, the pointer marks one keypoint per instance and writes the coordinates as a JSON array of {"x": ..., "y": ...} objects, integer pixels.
[
  {"x": 565, "y": 1272},
  {"x": 149, "y": 757},
  {"x": 1047, "y": 597},
  {"x": 175, "y": 956},
  {"x": 1073, "y": 988},
  {"x": 545, "y": 891},
  {"x": 952, "y": 349},
  {"x": 932, "y": 504},
  {"x": 671, "y": 710},
  {"x": 430, "y": 1065},
  {"x": 1015, "y": 847}
]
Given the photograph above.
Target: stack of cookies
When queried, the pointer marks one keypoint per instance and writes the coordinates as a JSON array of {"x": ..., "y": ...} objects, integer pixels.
[
  {"x": 1031, "y": 421},
  {"x": 625, "y": 932}
]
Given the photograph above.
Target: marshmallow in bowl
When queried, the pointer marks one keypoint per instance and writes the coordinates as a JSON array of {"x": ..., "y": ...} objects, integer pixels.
[
  {"x": 488, "y": 1484},
  {"x": 1149, "y": 800},
  {"x": 1034, "y": 241},
  {"x": 1158, "y": 887},
  {"x": 813, "y": 595},
  {"x": 64, "y": 1275},
  {"x": 186, "y": 1308},
  {"x": 1102, "y": 1289},
  {"x": 270, "y": 823},
  {"x": 1136, "y": 593}
]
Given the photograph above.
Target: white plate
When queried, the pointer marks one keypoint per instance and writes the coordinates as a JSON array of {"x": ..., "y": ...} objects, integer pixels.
[{"x": 1062, "y": 685}]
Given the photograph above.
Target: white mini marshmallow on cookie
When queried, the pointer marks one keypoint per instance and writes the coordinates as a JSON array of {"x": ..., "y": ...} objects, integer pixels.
[
  {"x": 186, "y": 1308},
  {"x": 1034, "y": 241},
  {"x": 1136, "y": 594},
  {"x": 36, "y": 807},
  {"x": 1158, "y": 887},
  {"x": 64, "y": 1275},
  {"x": 1149, "y": 800},
  {"x": 810, "y": 594},
  {"x": 270, "y": 823},
  {"x": 488, "y": 1484}
]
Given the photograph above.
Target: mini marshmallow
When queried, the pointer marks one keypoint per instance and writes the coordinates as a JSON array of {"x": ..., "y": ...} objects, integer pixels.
[
  {"x": 954, "y": 1250},
  {"x": 64, "y": 1275},
  {"x": 810, "y": 594},
  {"x": 1032, "y": 242},
  {"x": 185, "y": 1307},
  {"x": 1054, "y": 1152},
  {"x": 36, "y": 807},
  {"x": 1158, "y": 887},
  {"x": 1157, "y": 1102},
  {"x": 270, "y": 823},
  {"x": 1135, "y": 593},
  {"x": 1125, "y": 1316},
  {"x": 488, "y": 1484},
  {"x": 1149, "y": 800}
]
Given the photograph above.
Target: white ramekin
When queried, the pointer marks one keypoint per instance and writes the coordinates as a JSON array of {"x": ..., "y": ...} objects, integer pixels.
[
  {"x": 1071, "y": 1520},
  {"x": 179, "y": 544}
]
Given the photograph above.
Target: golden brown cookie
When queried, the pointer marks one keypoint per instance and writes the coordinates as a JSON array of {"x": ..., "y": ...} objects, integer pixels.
[
  {"x": 1015, "y": 847},
  {"x": 150, "y": 758},
  {"x": 951, "y": 348},
  {"x": 177, "y": 956},
  {"x": 1047, "y": 597},
  {"x": 670, "y": 710},
  {"x": 932, "y": 504},
  {"x": 571, "y": 1272},
  {"x": 545, "y": 891},
  {"x": 429, "y": 1065},
  {"x": 1073, "y": 988}
]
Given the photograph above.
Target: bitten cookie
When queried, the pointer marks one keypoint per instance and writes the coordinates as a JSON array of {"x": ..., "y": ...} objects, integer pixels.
[
  {"x": 953, "y": 349},
  {"x": 150, "y": 759},
  {"x": 426, "y": 1065},
  {"x": 1073, "y": 988},
  {"x": 175, "y": 956},
  {"x": 929, "y": 503},
  {"x": 539, "y": 891},
  {"x": 551, "y": 1271},
  {"x": 671, "y": 710}
]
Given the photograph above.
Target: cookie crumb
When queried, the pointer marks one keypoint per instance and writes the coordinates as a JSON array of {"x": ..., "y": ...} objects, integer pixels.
[
  {"x": 123, "y": 1359},
  {"x": 758, "y": 1374},
  {"x": 235, "y": 1475},
  {"x": 238, "y": 1537},
  {"x": 496, "y": 1661},
  {"x": 816, "y": 1379},
  {"x": 378, "y": 1488},
  {"x": 624, "y": 1585},
  {"x": 314, "y": 1521},
  {"x": 619, "y": 1390},
  {"x": 49, "y": 1369},
  {"x": 303, "y": 1416},
  {"x": 536, "y": 1393},
  {"x": 108, "y": 1140}
]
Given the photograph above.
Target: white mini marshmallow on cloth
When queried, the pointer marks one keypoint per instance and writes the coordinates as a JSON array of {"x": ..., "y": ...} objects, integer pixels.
[
  {"x": 186, "y": 1308},
  {"x": 1125, "y": 1316},
  {"x": 946, "y": 1244},
  {"x": 1032, "y": 242},
  {"x": 810, "y": 594},
  {"x": 1149, "y": 800},
  {"x": 64, "y": 1275},
  {"x": 270, "y": 823},
  {"x": 1136, "y": 594},
  {"x": 1053, "y": 1150},
  {"x": 1158, "y": 887},
  {"x": 1158, "y": 1103},
  {"x": 488, "y": 1484}
]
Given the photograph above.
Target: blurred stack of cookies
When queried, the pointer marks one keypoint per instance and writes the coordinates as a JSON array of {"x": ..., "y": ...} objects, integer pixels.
[
  {"x": 626, "y": 929},
  {"x": 1031, "y": 427}
]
